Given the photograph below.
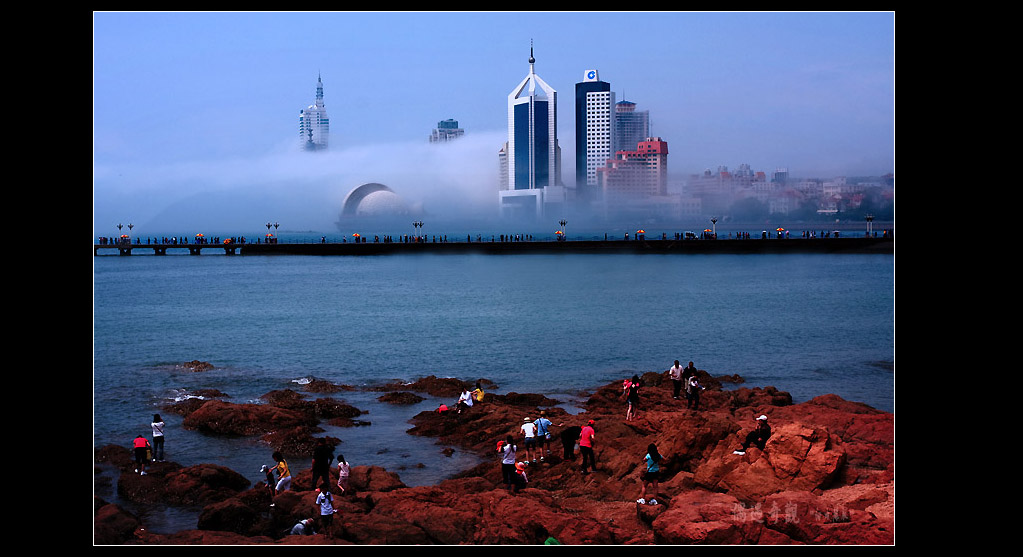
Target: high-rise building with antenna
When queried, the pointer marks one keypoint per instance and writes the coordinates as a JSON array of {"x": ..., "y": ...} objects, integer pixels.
[
  {"x": 313, "y": 124},
  {"x": 533, "y": 155}
]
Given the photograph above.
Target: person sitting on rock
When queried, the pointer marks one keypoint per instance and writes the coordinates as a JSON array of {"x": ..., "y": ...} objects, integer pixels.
[{"x": 758, "y": 436}]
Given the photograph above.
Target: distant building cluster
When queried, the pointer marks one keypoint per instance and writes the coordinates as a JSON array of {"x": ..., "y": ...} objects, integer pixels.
[
  {"x": 446, "y": 130},
  {"x": 621, "y": 169}
]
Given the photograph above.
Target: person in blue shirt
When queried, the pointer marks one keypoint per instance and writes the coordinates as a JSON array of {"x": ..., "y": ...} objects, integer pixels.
[
  {"x": 650, "y": 476},
  {"x": 543, "y": 434}
]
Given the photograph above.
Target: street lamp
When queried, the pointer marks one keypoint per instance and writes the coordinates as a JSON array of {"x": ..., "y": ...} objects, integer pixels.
[
  {"x": 870, "y": 224},
  {"x": 714, "y": 221},
  {"x": 276, "y": 236},
  {"x": 418, "y": 225}
]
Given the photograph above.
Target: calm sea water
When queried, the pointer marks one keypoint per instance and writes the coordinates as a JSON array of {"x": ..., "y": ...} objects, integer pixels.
[{"x": 556, "y": 324}]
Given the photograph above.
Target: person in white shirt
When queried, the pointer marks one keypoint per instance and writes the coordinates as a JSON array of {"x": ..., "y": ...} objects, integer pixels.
[
  {"x": 529, "y": 438},
  {"x": 464, "y": 401},
  {"x": 157, "y": 438},
  {"x": 507, "y": 452},
  {"x": 675, "y": 372}
]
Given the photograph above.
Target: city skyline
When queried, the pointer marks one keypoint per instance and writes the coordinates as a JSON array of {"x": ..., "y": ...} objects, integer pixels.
[{"x": 204, "y": 104}]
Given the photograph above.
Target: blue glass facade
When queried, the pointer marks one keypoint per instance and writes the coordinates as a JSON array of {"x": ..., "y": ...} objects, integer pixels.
[
  {"x": 521, "y": 181},
  {"x": 540, "y": 147}
]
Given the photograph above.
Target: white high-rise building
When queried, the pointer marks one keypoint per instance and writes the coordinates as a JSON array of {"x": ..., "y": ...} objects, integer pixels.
[
  {"x": 533, "y": 155},
  {"x": 600, "y": 132},
  {"x": 313, "y": 124}
]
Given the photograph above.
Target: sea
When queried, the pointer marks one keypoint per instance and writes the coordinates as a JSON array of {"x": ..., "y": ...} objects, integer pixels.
[{"x": 561, "y": 325}]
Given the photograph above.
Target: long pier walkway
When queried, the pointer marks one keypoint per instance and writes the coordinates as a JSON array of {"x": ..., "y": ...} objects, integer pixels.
[{"x": 637, "y": 245}]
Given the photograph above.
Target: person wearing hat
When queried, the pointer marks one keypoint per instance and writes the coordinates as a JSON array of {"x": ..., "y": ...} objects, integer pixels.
[
  {"x": 270, "y": 482},
  {"x": 758, "y": 436},
  {"x": 529, "y": 438},
  {"x": 519, "y": 479},
  {"x": 586, "y": 437}
]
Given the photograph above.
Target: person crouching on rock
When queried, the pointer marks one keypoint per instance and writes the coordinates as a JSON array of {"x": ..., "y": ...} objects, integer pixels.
[
  {"x": 303, "y": 528},
  {"x": 758, "y": 436}
]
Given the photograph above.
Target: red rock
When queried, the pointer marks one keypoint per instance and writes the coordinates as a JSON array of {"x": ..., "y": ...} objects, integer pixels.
[
  {"x": 800, "y": 490},
  {"x": 227, "y": 418},
  {"x": 113, "y": 525}
]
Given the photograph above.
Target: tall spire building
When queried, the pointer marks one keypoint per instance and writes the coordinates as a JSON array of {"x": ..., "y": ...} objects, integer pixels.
[
  {"x": 533, "y": 156},
  {"x": 313, "y": 124}
]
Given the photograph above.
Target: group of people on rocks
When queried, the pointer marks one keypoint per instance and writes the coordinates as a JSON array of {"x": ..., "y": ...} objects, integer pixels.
[
  {"x": 536, "y": 437},
  {"x": 323, "y": 456}
]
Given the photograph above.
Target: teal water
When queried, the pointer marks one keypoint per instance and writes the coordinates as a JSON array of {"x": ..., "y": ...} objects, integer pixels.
[{"x": 556, "y": 324}]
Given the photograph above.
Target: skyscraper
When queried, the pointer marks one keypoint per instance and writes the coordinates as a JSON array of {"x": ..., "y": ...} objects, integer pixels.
[
  {"x": 533, "y": 155},
  {"x": 594, "y": 129},
  {"x": 313, "y": 124},
  {"x": 631, "y": 126}
]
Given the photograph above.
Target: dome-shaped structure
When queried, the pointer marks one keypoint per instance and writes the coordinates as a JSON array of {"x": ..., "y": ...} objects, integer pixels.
[{"x": 373, "y": 200}]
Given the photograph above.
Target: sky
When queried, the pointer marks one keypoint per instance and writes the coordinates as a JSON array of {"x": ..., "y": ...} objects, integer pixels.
[{"x": 195, "y": 114}]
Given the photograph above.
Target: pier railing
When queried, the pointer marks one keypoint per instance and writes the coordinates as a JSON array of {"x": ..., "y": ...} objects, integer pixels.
[{"x": 636, "y": 245}]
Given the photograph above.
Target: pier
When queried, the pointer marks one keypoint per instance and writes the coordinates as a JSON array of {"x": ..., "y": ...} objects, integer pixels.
[{"x": 635, "y": 245}]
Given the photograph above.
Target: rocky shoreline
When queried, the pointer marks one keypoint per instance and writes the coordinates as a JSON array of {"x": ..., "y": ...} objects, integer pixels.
[{"x": 825, "y": 477}]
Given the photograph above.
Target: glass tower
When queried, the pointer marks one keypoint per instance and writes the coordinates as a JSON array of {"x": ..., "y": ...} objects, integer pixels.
[{"x": 631, "y": 126}]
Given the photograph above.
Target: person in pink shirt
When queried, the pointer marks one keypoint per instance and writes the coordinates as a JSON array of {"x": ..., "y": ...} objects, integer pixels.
[{"x": 586, "y": 437}]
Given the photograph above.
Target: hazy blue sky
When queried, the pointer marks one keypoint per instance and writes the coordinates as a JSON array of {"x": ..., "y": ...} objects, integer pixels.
[{"x": 195, "y": 112}]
